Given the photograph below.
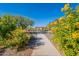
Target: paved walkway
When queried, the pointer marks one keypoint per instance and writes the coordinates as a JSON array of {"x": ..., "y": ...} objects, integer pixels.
[{"x": 45, "y": 48}]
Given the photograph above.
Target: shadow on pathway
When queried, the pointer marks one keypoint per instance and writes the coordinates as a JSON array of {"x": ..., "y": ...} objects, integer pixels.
[{"x": 35, "y": 42}]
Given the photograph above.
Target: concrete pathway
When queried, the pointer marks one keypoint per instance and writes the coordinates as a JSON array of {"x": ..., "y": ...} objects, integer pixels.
[{"x": 46, "y": 48}]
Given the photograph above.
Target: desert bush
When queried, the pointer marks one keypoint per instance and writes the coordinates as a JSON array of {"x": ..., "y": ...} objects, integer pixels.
[
  {"x": 13, "y": 31},
  {"x": 66, "y": 31},
  {"x": 17, "y": 38}
]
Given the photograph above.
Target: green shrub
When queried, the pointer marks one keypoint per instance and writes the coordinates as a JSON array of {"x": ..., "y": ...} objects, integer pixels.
[{"x": 12, "y": 31}]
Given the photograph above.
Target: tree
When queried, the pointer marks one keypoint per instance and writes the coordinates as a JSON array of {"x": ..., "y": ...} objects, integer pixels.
[{"x": 23, "y": 21}]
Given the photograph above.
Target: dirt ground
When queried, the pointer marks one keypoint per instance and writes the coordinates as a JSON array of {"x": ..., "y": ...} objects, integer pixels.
[{"x": 14, "y": 52}]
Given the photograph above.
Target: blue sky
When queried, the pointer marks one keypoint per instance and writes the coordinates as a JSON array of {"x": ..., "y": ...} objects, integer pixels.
[{"x": 41, "y": 13}]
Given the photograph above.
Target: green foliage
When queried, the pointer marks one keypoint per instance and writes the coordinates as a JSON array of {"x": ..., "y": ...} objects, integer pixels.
[
  {"x": 12, "y": 31},
  {"x": 24, "y": 22}
]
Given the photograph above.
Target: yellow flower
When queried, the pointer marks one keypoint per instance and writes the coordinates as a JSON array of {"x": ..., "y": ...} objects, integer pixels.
[
  {"x": 66, "y": 7},
  {"x": 61, "y": 20},
  {"x": 67, "y": 27},
  {"x": 54, "y": 29},
  {"x": 71, "y": 16},
  {"x": 17, "y": 31},
  {"x": 77, "y": 24},
  {"x": 53, "y": 23},
  {"x": 75, "y": 35}
]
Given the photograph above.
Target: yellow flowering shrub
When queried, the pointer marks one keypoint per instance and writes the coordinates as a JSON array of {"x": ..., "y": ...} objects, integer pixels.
[
  {"x": 75, "y": 35},
  {"x": 17, "y": 31},
  {"x": 66, "y": 32},
  {"x": 17, "y": 38},
  {"x": 13, "y": 31}
]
